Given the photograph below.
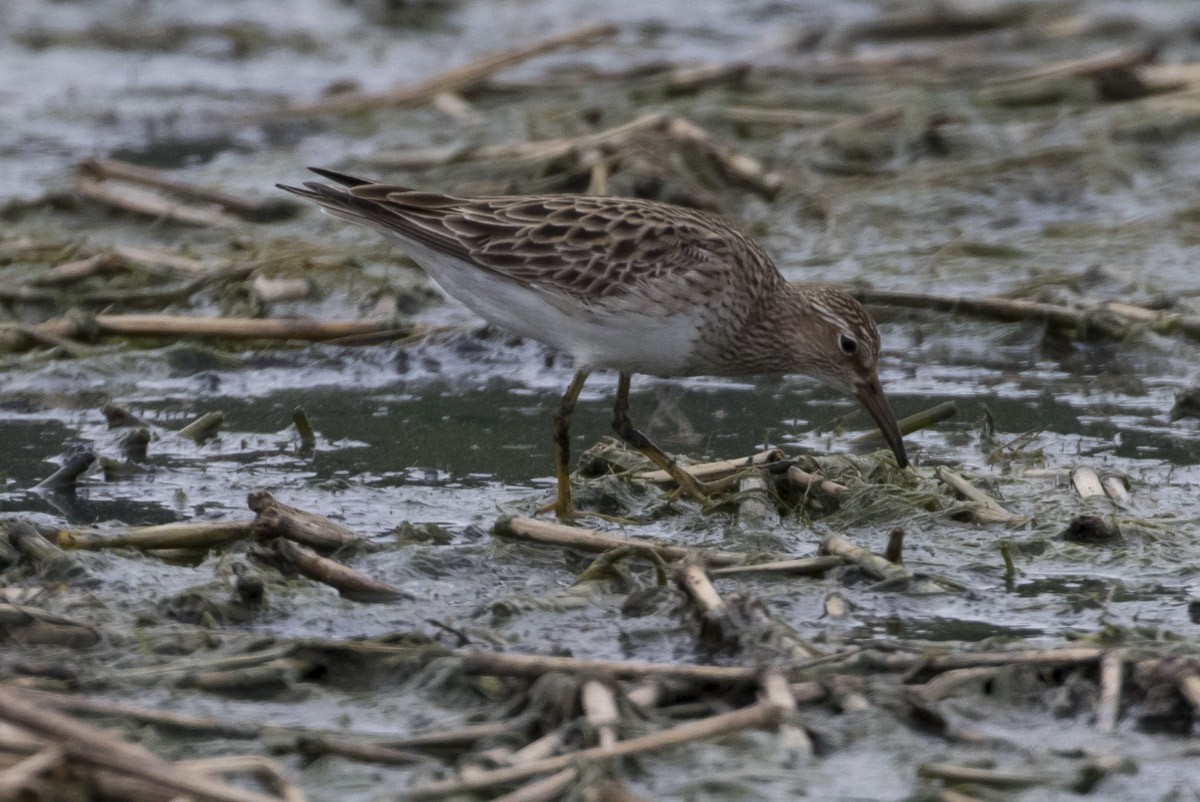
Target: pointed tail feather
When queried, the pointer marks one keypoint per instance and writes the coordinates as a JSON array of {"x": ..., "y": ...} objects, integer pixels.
[{"x": 341, "y": 178}]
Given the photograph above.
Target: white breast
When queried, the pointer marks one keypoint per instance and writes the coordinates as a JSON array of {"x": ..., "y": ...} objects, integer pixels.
[{"x": 642, "y": 341}]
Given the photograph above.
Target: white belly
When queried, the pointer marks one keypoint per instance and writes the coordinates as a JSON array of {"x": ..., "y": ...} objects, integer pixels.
[{"x": 597, "y": 338}]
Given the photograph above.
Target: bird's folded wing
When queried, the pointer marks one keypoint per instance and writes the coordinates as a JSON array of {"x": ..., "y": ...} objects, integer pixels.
[{"x": 606, "y": 252}]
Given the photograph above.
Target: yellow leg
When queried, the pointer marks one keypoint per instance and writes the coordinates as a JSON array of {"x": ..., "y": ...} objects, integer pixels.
[
  {"x": 623, "y": 425},
  {"x": 563, "y": 508}
]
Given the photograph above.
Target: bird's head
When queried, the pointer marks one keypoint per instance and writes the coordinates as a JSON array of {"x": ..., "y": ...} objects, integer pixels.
[{"x": 838, "y": 344}]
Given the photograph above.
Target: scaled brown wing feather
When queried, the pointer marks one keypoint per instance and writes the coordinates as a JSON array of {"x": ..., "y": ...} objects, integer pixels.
[{"x": 592, "y": 248}]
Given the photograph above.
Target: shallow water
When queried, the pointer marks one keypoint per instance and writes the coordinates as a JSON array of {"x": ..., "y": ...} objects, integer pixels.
[{"x": 455, "y": 430}]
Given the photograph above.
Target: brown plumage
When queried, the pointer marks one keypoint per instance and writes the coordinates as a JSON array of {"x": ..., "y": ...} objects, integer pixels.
[{"x": 627, "y": 284}]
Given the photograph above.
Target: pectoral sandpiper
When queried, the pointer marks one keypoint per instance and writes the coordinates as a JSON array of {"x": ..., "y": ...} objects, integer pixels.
[{"x": 627, "y": 285}]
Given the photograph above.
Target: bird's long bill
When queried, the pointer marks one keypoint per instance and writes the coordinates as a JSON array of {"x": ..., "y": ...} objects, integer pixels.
[{"x": 870, "y": 393}]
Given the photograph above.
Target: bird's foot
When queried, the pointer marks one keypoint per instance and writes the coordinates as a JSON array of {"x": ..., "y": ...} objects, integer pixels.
[
  {"x": 563, "y": 512},
  {"x": 688, "y": 485},
  {"x": 572, "y": 515}
]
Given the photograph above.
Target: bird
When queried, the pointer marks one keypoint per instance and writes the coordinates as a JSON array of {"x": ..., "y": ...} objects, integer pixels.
[{"x": 624, "y": 284}]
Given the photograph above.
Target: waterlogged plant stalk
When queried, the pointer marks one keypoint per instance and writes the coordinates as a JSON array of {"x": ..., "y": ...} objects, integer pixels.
[
  {"x": 256, "y": 211},
  {"x": 707, "y": 471},
  {"x": 1112, "y": 675},
  {"x": 913, "y": 423},
  {"x": 349, "y": 583},
  {"x": 575, "y": 537},
  {"x": 717, "y": 625},
  {"x": 64, "y": 479},
  {"x": 104, "y": 749},
  {"x": 984, "y": 509},
  {"x": 523, "y": 665},
  {"x": 151, "y": 204},
  {"x": 50, "y": 561},
  {"x": 204, "y": 427},
  {"x": 457, "y": 79},
  {"x": 177, "y": 326},
  {"x": 197, "y": 535},
  {"x": 759, "y": 716},
  {"x": 308, "y": 438},
  {"x": 803, "y": 566},
  {"x": 276, "y": 519},
  {"x": 774, "y": 689},
  {"x": 871, "y": 564}
]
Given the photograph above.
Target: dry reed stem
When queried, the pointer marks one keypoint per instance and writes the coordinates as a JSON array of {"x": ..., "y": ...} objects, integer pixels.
[
  {"x": 359, "y": 746},
  {"x": 774, "y": 689},
  {"x": 349, "y": 583},
  {"x": 150, "y": 204},
  {"x": 456, "y": 107},
  {"x": 756, "y": 504},
  {"x": 278, "y": 290},
  {"x": 985, "y": 509},
  {"x": 51, "y": 561},
  {"x": 600, "y": 708},
  {"x": 543, "y": 790},
  {"x": 1086, "y": 67},
  {"x": 149, "y": 258},
  {"x": 1086, "y": 482},
  {"x": 707, "y": 471},
  {"x": 846, "y": 693},
  {"x": 1108, "y": 319},
  {"x": 808, "y": 692},
  {"x": 64, "y": 479},
  {"x": 276, "y": 519},
  {"x": 996, "y": 778},
  {"x": 761, "y": 715},
  {"x": 539, "y": 749},
  {"x": 1112, "y": 675},
  {"x": 102, "y": 748},
  {"x": 1189, "y": 686},
  {"x": 527, "y": 665},
  {"x": 231, "y": 328},
  {"x": 910, "y": 424},
  {"x": 792, "y": 118},
  {"x": 9, "y": 294},
  {"x": 803, "y": 566},
  {"x": 1116, "y": 488},
  {"x": 835, "y": 605},
  {"x": 266, "y": 770},
  {"x": 871, "y": 564},
  {"x": 803, "y": 481},
  {"x": 590, "y": 540},
  {"x": 203, "y": 428},
  {"x": 693, "y": 580},
  {"x": 950, "y": 795},
  {"x": 199, "y": 534},
  {"x": 537, "y": 150},
  {"x": 86, "y": 705},
  {"x": 29, "y": 626},
  {"x": 948, "y": 682},
  {"x": 19, "y": 781},
  {"x": 101, "y": 264},
  {"x": 687, "y": 80},
  {"x": 736, "y": 166},
  {"x": 613, "y": 791},
  {"x": 361, "y": 750},
  {"x": 256, "y": 211},
  {"x": 457, "y": 79},
  {"x": 1077, "y": 655}
]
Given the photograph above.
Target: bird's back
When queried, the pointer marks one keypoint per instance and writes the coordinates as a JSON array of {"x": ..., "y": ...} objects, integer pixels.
[{"x": 608, "y": 267}]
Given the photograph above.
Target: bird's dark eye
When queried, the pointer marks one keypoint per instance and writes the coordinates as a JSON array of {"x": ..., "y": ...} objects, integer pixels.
[{"x": 847, "y": 344}]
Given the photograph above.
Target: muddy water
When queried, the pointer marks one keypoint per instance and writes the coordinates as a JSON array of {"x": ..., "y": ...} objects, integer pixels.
[{"x": 455, "y": 430}]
